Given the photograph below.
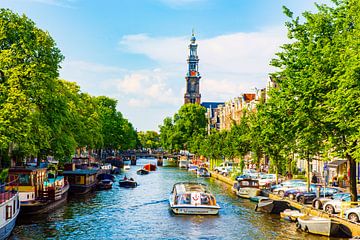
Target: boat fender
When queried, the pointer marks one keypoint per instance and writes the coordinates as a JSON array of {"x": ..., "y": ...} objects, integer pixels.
[
  {"x": 298, "y": 225},
  {"x": 306, "y": 229},
  {"x": 256, "y": 207}
]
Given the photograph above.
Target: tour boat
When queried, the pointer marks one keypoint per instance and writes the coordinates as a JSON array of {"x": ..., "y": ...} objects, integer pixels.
[
  {"x": 142, "y": 171},
  {"x": 82, "y": 181},
  {"x": 323, "y": 226},
  {"x": 150, "y": 167},
  {"x": 126, "y": 167},
  {"x": 39, "y": 193},
  {"x": 128, "y": 183},
  {"x": 9, "y": 208},
  {"x": 248, "y": 188},
  {"x": 192, "y": 198}
]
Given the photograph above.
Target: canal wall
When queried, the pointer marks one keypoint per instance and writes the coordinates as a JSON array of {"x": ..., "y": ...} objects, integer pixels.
[
  {"x": 354, "y": 227},
  {"x": 222, "y": 178}
]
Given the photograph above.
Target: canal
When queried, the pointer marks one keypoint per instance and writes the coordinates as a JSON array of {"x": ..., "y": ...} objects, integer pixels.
[{"x": 143, "y": 213}]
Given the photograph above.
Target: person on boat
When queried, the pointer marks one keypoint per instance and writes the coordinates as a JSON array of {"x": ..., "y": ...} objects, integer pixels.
[
  {"x": 205, "y": 199},
  {"x": 125, "y": 178},
  {"x": 131, "y": 179}
]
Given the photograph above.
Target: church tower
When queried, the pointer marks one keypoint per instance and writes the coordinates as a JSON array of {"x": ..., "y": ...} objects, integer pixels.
[{"x": 192, "y": 94}]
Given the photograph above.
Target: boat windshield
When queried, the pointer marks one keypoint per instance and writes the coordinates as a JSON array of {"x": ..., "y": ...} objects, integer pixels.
[{"x": 195, "y": 199}]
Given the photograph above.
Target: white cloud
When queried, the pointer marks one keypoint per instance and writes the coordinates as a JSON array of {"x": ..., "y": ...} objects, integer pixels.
[{"x": 229, "y": 64}]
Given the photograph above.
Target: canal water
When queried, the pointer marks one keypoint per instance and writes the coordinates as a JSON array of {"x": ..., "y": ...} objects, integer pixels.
[{"x": 143, "y": 213}]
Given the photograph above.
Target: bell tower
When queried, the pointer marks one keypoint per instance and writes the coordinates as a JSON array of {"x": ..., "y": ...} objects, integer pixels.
[{"x": 192, "y": 94}]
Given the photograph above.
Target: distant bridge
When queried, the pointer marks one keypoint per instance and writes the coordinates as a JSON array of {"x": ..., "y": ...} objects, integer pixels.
[{"x": 133, "y": 156}]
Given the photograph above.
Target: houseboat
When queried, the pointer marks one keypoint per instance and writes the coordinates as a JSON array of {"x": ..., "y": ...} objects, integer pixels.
[
  {"x": 9, "y": 208},
  {"x": 192, "y": 199},
  {"x": 81, "y": 181},
  {"x": 39, "y": 193}
]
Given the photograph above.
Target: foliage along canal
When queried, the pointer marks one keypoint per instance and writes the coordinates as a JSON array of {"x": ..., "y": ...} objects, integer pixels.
[{"x": 143, "y": 213}]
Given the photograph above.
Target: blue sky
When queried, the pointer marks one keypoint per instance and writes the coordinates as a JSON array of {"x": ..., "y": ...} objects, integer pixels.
[{"x": 135, "y": 50}]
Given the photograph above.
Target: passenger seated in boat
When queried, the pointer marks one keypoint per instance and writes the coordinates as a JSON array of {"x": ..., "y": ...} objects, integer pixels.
[
  {"x": 125, "y": 178},
  {"x": 205, "y": 200},
  {"x": 185, "y": 199},
  {"x": 131, "y": 179}
]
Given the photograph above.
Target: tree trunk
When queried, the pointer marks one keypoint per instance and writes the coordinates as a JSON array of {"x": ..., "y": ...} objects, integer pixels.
[
  {"x": 353, "y": 182},
  {"x": 308, "y": 173}
]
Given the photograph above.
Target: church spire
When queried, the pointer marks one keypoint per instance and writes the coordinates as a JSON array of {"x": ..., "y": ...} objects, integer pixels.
[{"x": 192, "y": 94}]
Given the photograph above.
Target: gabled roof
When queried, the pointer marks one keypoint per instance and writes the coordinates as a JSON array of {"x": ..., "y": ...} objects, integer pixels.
[{"x": 249, "y": 96}]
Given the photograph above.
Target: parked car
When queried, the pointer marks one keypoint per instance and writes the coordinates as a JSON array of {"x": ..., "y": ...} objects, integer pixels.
[
  {"x": 334, "y": 206},
  {"x": 308, "y": 197},
  {"x": 318, "y": 203},
  {"x": 267, "y": 180},
  {"x": 243, "y": 176},
  {"x": 224, "y": 166},
  {"x": 353, "y": 214},
  {"x": 282, "y": 187}
]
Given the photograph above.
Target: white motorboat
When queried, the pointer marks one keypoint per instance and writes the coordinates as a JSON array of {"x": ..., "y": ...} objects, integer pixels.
[
  {"x": 322, "y": 226},
  {"x": 126, "y": 167},
  {"x": 192, "y": 199},
  {"x": 184, "y": 163}
]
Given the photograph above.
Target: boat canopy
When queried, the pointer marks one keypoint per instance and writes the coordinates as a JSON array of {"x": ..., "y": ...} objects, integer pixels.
[{"x": 188, "y": 187}]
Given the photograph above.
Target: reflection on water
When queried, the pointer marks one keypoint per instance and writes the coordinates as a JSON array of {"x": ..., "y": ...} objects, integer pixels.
[{"x": 143, "y": 213}]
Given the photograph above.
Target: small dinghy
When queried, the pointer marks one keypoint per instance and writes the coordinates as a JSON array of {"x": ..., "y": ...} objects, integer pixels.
[
  {"x": 142, "y": 171},
  {"x": 128, "y": 183},
  {"x": 322, "y": 226},
  {"x": 272, "y": 206},
  {"x": 104, "y": 184},
  {"x": 291, "y": 215}
]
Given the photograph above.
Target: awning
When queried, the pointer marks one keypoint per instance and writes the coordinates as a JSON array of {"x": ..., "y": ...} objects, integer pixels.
[{"x": 336, "y": 163}]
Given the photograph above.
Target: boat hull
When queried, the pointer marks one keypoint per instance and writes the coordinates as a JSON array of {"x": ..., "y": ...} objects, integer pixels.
[
  {"x": 8, "y": 226},
  {"x": 192, "y": 210},
  {"x": 128, "y": 184},
  {"x": 142, "y": 172},
  {"x": 272, "y": 206},
  {"x": 82, "y": 189},
  {"x": 37, "y": 207},
  {"x": 169, "y": 163},
  {"x": 248, "y": 192},
  {"x": 322, "y": 226}
]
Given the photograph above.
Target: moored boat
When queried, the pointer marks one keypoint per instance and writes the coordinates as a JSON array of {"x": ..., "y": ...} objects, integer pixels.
[
  {"x": 192, "y": 199},
  {"x": 126, "y": 167},
  {"x": 291, "y": 215},
  {"x": 150, "y": 167},
  {"x": 9, "y": 208},
  {"x": 272, "y": 206},
  {"x": 39, "y": 193},
  {"x": 184, "y": 163},
  {"x": 128, "y": 183},
  {"x": 169, "y": 162},
  {"x": 81, "y": 181},
  {"x": 203, "y": 172},
  {"x": 258, "y": 198},
  {"x": 322, "y": 226},
  {"x": 248, "y": 188},
  {"x": 142, "y": 171},
  {"x": 104, "y": 184}
]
